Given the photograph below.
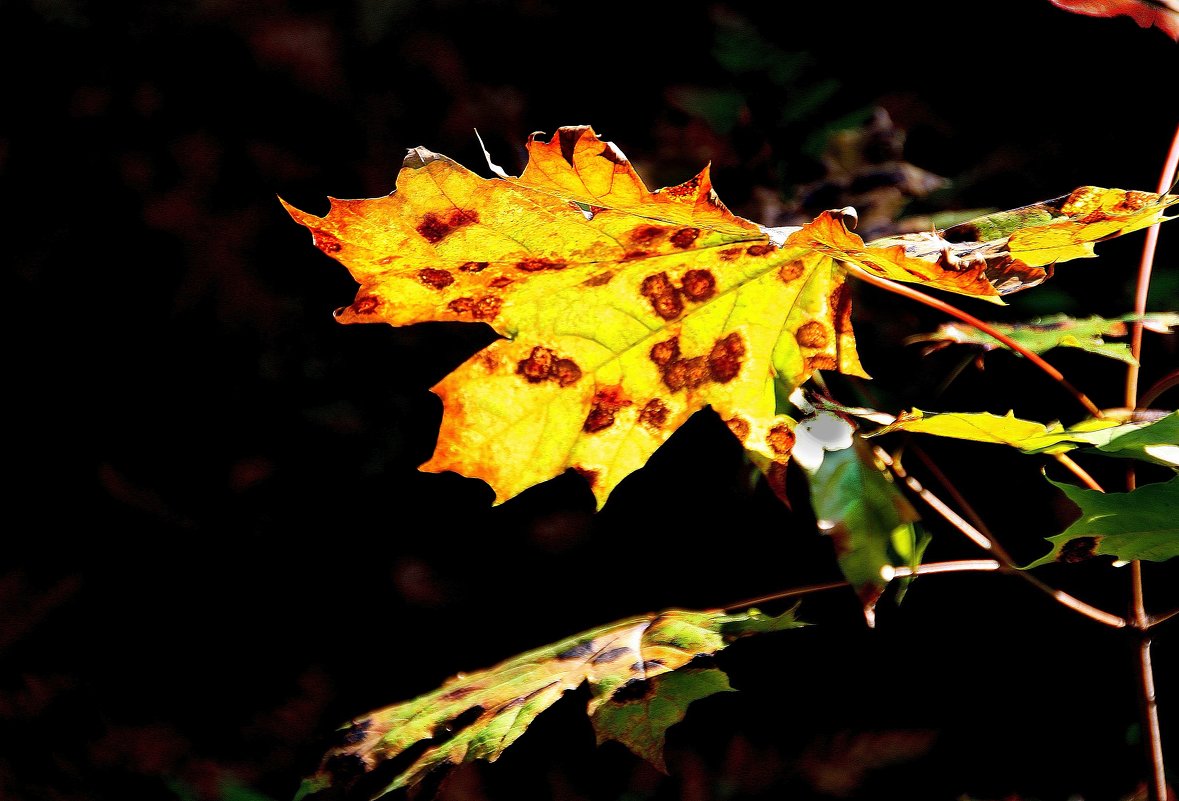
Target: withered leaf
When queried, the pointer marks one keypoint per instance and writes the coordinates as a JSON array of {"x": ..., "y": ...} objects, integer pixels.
[{"x": 478, "y": 715}]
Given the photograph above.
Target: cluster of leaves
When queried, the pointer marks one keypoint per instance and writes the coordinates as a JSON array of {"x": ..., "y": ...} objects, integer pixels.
[{"x": 622, "y": 313}]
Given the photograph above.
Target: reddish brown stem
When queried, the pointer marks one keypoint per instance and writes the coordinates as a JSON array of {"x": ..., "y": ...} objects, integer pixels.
[
  {"x": 1157, "y": 786},
  {"x": 971, "y": 320},
  {"x": 993, "y": 546}
]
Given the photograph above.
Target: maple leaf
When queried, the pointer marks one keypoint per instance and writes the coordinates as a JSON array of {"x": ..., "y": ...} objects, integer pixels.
[
  {"x": 640, "y": 682},
  {"x": 1139, "y": 524},
  {"x": 626, "y": 311}
]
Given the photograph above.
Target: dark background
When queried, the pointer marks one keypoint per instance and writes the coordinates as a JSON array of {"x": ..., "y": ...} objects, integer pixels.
[{"x": 219, "y": 547}]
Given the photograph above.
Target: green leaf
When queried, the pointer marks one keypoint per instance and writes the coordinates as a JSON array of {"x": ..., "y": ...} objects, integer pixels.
[
  {"x": 640, "y": 717},
  {"x": 1140, "y": 524},
  {"x": 870, "y": 522},
  {"x": 1056, "y": 331},
  {"x": 478, "y": 715},
  {"x": 1156, "y": 442}
]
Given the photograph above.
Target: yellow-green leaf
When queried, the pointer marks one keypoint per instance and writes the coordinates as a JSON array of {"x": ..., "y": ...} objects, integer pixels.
[
  {"x": 625, "y": 311},
  {"x": 1026, "y": 435}
]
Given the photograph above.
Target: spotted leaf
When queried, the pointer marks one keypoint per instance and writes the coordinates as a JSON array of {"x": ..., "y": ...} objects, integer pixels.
[
  {"x": 1140, "y": 524},
  {"x": 625, "y": 311},
  {"x": 478, "y": 715}
]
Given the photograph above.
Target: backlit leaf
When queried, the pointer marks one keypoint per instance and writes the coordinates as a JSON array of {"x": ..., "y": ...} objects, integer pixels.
[
  {"x": 478, "y": 715},
  {"x": 1107, "y": 434},
  {"x": 625, "y": 311},
  {"x": 872, "y": 525},
  {"x": 1056, "y": 331},
  {"x": 639, "y": 719},
  {"x": 1140, "y": 524}
]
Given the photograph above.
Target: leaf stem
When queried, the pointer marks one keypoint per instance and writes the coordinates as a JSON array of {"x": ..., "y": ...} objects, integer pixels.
[
  {"x": 889, "y": 573},
  {"x": 989, "y": 544},
  {"x": 971, "y": 320}
]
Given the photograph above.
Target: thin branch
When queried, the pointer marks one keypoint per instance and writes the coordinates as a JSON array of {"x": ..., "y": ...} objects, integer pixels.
[
  {"x": 955, "y": 495},
  {"x": 1079, "y": 472},
  {"x": 1157, "y": 787},
  {"x": 1167, "y": 382},
  {"x": 888, "y": 573},
  {"x": 1145, "y": 266},
  {"x": 971, "y": 320},
  {"x": 991, "y": 545}
]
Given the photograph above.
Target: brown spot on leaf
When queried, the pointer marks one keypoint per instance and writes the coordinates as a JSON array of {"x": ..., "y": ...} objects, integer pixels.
[
  {"x": 664, "y": 298},
  {"x": 485, "y": 308},
  {"x": 688, "y": 373},
  {"x": 578, "y": 651},
  {"x": 590, "y": 476},
  {"x": 535, "y": 265},
  {"x": 684, "y": 237},
  {"x": 1133, "y": 201},
  {"x": 538, "y": 366},
  {"x": 646, "y": 234},
  {"x": 688, "y": 188},
  {"x": 654, "y": 414},
  {"x": 698, "y": 285},
  {"x": 739, "y": 426},
  {"x": 610, "y": 655},
  {"x": 326, "y": 242},
  {"x": 760, "y": 250},
  {"x": 432, "y": 228},
  {"x": 791, "y": 271},
  {"x": 665, "y": 352},
  {"x": 1077, "y": 550},
  {"x": 730, "y": 253},
  {"x": 812, "y": 335},
  {"x": 601, "y": 279},
  {"x": 473, "y": 267},
  {"x": 780, "y": 439},
  {"x": 458, "y": 692},
  {"x": 631, "y": 255},
  {"x": 605, "y": 405},
  {"x": 820, "y": 361},
  {"x": 724, "y": 361},
  {"x": 841, "y": 307},
  {"x": 435, "y": 279},
  {"x": 566, "y": 372},
  {"x": 500, "y": 282},
  {"x": 366, "y": 305}
]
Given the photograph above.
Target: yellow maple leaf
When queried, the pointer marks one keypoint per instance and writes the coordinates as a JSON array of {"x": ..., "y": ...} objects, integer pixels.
[{"x": 626, "y": 311}]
